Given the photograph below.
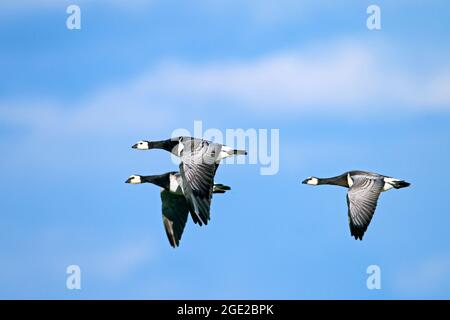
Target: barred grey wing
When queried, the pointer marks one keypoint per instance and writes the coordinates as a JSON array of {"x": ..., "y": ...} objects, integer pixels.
[
  {"x": 198, "y": 168},
  {"x": 362, "y": 200}
]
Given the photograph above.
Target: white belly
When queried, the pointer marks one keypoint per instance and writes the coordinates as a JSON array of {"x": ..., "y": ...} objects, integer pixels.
[{"x": 174, "y": 185}]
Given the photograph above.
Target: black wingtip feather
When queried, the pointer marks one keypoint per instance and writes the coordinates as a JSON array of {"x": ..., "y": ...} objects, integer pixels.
[
  {"x": 196, "y": 219},
  {"x": 357, "y": 233}
]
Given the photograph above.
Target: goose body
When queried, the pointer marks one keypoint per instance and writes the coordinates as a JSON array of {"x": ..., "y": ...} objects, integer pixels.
[
  {"x": 175, "y": 208},
  {"x": 199, "y": 162},
  {"x": 364, "y": 189}
]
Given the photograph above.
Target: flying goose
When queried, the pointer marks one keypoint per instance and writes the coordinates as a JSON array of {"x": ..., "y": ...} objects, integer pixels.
[
  {"x": 199, "y": 162},
  {"x": 175, "y": 208},
  {"x": 364, "y": 188}
]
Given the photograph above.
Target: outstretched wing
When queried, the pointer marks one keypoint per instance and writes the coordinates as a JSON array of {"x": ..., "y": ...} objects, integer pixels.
[
  {"x": 198, "y": 183},
  {"x": 362, "y": 200},
  {"x": 198, "y": 168},
  {"x": 174, "y": 213}
]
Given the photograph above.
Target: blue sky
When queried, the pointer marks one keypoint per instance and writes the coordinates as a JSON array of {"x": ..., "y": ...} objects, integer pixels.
[{"x": 343, "y": 97}]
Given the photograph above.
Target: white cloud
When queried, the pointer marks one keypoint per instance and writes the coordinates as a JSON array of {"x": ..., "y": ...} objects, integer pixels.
[
  {"x": 285, "y": 81},
  {"x": 113, "y": 111},
  {"x": 345, "y": 77},
  {"x": 438, "y": 89}
]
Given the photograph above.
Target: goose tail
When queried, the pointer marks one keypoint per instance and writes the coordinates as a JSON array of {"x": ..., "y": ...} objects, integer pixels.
[
  {"x": 238, "y": 152},
  {"x": 400, "y": 184},
  {"x": 220, "y": 188}
]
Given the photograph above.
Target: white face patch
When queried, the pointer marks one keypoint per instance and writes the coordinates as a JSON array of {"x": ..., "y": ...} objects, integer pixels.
[
  {"x": 312, "y": 181},
  {"x": 135, "y": 179},
  {"x": 142, "y": 145}
]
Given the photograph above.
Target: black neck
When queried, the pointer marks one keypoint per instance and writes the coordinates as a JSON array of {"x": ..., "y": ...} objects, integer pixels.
[
  {"x": 335, "y": 181},
  {"x": 167, "y": 145},
  {"x": 162, "y": 180}
]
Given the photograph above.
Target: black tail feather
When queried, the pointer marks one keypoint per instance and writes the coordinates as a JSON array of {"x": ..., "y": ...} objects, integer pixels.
[
  {"x": 401, "y": 184},
  {"x": 220, "y": 188},
  {"x": 240, "y": 152}
]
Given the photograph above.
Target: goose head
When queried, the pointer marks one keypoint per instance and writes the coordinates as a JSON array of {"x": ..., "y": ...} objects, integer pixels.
[
  {"x": 311, "y": 181},
  {"x": 142, "y": 145},
  {"x": 134, "y": 179}
]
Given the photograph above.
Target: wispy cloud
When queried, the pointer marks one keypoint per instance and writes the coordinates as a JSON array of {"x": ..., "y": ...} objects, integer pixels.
[
  {"x": 338, "y": 77},
  {"x": 343, "y": 77},
  {"x": 110, "y": 112}
]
